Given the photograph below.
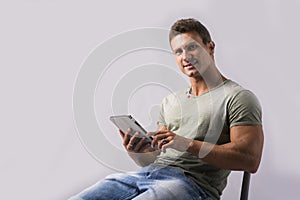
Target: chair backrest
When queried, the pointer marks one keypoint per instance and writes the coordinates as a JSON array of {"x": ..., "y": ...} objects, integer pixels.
[{"x": 245, "y": 186}]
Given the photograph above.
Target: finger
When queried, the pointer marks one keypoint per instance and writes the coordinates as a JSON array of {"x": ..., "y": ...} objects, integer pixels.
[
  {"x": 165, "y": 141},
  {"x": 146, "y": 145},
  {"x": 121, "y": 133},
  {"x": 167, "y": 145},
  {"x": 156, "y": 133},
  {"x": 126, "y": 137},
  {"x": 159, "y": 137},
  {"x": 133, "y": 141},
  {"x": 139, "y": 145},
  {"x": 152, "y": 133},
  {"x": 154, "y": 142}
]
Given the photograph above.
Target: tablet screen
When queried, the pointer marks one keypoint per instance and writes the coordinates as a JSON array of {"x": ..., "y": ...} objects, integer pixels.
[{"x": 123, "y": 122}]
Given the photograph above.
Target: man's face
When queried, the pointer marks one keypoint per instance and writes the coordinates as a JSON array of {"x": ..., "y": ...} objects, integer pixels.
[{"x": 192, "y": 55}]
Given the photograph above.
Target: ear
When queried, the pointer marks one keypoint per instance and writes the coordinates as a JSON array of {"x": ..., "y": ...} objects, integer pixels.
[{"x": 211, "y": 46}]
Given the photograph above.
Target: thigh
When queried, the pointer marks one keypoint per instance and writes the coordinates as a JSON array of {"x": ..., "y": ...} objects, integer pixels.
[
  {"x": 113, "y": 187},
  {"x": 169, "y": 183},
  {"x": 169, "y": 190}
]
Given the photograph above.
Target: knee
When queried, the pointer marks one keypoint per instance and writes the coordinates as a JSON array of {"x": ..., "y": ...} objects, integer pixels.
[
  {"x": 115, "y": 176},
  {"x": 76, "y": 197}
]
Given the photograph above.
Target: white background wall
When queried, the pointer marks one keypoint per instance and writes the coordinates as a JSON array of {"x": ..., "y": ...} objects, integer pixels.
[{"x": 44, "y": 42}]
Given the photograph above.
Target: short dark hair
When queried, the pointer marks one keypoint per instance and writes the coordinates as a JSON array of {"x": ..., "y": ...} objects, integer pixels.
[{"x": 189, "y": 25}]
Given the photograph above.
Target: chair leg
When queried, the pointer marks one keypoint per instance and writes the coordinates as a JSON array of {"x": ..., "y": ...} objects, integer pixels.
[{"x": 245, "y": 186}]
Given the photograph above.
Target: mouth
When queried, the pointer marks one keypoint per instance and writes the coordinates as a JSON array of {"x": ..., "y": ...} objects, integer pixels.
[{"x": 189, "y": 66}]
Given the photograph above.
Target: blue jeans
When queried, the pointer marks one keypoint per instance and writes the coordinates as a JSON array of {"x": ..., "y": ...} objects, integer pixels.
[{"x": 154, "y": 182}]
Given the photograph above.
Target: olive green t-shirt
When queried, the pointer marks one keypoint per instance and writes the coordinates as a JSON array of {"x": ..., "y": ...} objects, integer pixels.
[{"x": 207, "y": 117}]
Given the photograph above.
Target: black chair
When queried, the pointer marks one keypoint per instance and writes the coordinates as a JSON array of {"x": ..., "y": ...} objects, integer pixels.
[{"x": 245, "y": 186}]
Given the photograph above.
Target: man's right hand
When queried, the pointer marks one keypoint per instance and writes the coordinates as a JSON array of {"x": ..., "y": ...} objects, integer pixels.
[
  {"x": 135, "y": 143},
  {"x": 139, "y": 149}
]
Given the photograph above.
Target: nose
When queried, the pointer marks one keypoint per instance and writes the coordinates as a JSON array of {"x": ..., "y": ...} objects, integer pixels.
[{"x": 186, "y": 56}]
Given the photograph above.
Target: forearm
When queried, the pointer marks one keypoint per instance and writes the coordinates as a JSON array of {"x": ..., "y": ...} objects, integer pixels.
[
  {"x": 225, "y": 156},
  {"x": 145, "y": 158},
  {"x": 242, "y": 154}
]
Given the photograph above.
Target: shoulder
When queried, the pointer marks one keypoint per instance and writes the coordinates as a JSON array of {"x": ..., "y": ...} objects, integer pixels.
[
  {"x": 243, "y": 106},
  {"x": 239, "y": 95},
  {"x": 236, "y": 93}
]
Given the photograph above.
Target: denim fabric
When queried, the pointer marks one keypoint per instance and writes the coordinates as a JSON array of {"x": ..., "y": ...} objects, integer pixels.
[{"x": 154, "y": 182}]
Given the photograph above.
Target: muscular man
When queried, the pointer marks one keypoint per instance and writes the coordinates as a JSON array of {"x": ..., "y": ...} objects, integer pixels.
[{"x": 205, "y": 131}]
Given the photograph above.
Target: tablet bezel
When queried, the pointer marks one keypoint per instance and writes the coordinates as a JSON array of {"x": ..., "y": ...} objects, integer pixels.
[{"x": 123, "y": 122}]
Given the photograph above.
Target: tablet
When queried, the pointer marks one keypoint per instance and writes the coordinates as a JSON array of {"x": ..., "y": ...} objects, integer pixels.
[{"x": 123, "y": 122}]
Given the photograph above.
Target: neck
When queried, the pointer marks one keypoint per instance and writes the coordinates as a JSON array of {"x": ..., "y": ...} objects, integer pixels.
[{"x": 206, "y": 81}]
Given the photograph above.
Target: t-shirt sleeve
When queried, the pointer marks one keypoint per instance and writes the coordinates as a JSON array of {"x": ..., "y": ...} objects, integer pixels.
[
  {"x": 244, "y": 109},
  {"x": 161, "y": 116}
]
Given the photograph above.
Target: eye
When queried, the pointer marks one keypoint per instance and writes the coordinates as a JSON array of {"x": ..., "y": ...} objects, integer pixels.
[
  {"x": 178, "y": 51},
  {"x": 192, "y": 47}
]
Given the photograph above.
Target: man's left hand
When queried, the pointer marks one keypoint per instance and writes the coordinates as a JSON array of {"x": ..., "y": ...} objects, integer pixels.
[{"x": 168, "y": 139}]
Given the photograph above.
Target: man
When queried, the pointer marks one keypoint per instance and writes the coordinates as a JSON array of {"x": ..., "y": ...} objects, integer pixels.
[{"x": 204, "y": 132}]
